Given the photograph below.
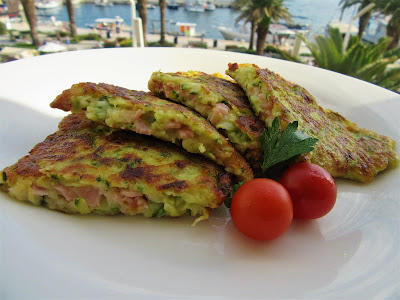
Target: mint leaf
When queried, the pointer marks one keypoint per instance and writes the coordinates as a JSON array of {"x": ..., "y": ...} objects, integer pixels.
[{"x": 279, "y": 147}]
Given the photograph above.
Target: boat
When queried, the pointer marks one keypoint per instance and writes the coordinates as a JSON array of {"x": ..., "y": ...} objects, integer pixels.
[
  {"x": 48, "y": 4},
  {"x": 76, "y": 2},
  {"x": 102, "y": 3},
  {"x": 107, "y": 23},
  {"x": 172, "y": 5},
  {"x": 342, "y": 26},
  {"x": 241, "y": 32},
  {"x": 376, "y": 29},
  {"x": 209, "y": 6},
  {"x": 196, "y": 6},
  {"x": 148, "y": 6},
  {"x": 52, "y": 47}
]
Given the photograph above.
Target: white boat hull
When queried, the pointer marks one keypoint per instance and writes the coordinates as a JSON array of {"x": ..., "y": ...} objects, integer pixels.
[
  {"x": 48, "y": 4},
  {"x": 195, "y": 9},
  {"x": 231, "y": 35},
  {"x": 197, "y": 6},
  {"x": 102, "y": 3}
]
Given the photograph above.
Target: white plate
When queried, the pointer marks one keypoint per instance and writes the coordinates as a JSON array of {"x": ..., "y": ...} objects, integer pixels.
[{"x": 354, "y": 252}]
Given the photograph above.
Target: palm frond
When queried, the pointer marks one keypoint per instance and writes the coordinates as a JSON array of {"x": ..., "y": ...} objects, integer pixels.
[
  {"x": 337, "y": 39},
  {"x": 353, "y": 60},
  {"x": 389, "y": 79},
  {"x": 369, "y": 71},
  {"x": 378, "y": 50}
]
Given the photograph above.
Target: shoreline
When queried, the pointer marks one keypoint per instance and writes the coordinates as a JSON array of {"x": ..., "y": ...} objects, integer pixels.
[
  {"x": 182, "y": 41},
  {"x": 218, "y": 3},
  {"x": 178, "y": 41}
]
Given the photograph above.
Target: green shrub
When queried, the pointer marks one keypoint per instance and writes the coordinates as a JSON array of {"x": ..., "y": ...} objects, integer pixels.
[
  {"x": 75, "y": 39},
  {"x": 64, "y": 34},
  {"x": 25, "y": 45},
  {"x": 109, "y": 44},
  {"x": 240, "y": 49},
  {"x": 125, "y": 43},
  {"x": 198, "y": 45},
  {"x": 272, "y": 49},
  {"x": 158, "y": 44},
  {"x": 91, "y": 37}
]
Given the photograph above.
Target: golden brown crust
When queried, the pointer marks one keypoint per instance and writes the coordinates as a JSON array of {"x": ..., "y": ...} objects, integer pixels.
[
  {"x": 235, "y": 97},
  {"x": 344, "y": 149},
  {"x": 130, "y": 101},
  {"x": 140, "y": 98},
  {"x": 212, "y": 95},
  {"x": 83, "y": 153}
]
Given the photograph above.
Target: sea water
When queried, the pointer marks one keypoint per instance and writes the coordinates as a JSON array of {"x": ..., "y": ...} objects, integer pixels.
[{"x": 316, "y": 13}]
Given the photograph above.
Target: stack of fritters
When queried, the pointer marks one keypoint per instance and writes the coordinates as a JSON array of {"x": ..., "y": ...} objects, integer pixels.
[
  {"x": 147, "y": 114},
  {"x": 257, "y": 97},
  {"x": 108, "y": 157},
  {"x": 220, "y": 101},
  {"x": 115, "y": 153}
]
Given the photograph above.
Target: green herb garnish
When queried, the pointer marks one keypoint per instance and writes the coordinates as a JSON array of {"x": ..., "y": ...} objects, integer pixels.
[
  {"x": 281, "y": 149},
  {"x": 235, "y": 187},
  {"x": 281, "y": 146}
]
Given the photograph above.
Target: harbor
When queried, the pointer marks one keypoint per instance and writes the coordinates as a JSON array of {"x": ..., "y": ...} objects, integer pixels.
[
  {"x": 179, "y": 41},
  {"x": 214, "y": 27},
  {"x": 316, "y": 16}
]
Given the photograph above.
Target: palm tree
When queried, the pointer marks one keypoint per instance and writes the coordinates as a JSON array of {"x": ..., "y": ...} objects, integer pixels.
[
  {"x": 71, "y": 14},
  {"x": 268, "y": 10},
  {"x": 391, "y": 7},
  {"x": 261, "y": 13},
  {"x": 163, "y": 4},
  {"x": 30, "y": 13},
  {"x": 248, "y": 15},
  {"x": 361, "y": 60},
  {"x": 142, "y": 9},
  {"x": 364, "y": 19}
]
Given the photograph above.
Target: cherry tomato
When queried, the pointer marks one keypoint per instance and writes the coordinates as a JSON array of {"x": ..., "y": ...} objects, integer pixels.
[
  {"x": 312, "y": 189},
  {"x": 261, "y": 209}
]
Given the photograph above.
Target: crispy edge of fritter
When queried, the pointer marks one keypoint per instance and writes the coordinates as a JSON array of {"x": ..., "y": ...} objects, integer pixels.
[{"x": 233, "y": 162}]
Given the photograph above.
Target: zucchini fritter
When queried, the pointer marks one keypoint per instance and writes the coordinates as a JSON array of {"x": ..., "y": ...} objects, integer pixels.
[
  {"x": 344, "y": 149},
  {"x": 220, "y": 101},
  {"x": 86, "y": 167},
  {"x": 147, "y": 114}
]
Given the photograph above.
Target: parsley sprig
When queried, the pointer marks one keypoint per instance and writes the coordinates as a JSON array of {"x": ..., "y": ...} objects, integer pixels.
[{"x": 281, "y": 148}]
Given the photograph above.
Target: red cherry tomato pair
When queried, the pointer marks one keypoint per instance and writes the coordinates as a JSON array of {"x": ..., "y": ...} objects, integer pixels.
[{"x": 263, "y": 209}]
